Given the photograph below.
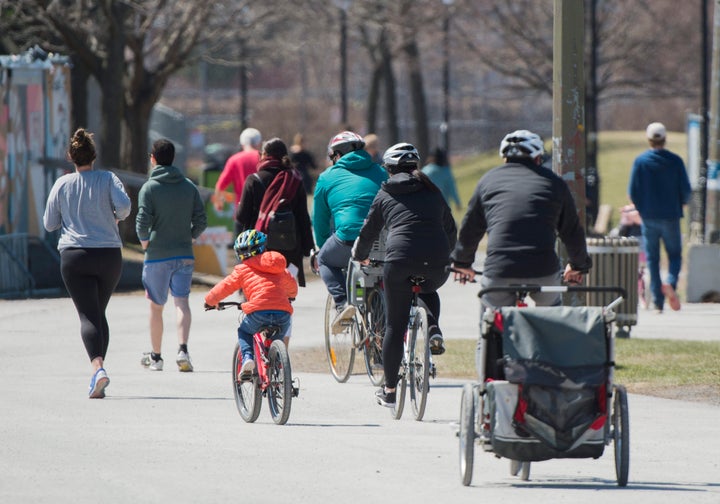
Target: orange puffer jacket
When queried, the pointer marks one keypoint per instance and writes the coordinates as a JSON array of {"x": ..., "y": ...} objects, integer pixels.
[{"x": 265, "y": 281}]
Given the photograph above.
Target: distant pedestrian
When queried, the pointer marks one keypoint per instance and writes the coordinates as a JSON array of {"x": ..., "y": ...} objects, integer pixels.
[
  {"x": 86, "y": 206},
  {"x": 303, "y": 161},
  {"x": 372, "y": 148},
  {"x": 438, "y": 170},
  {"x": 170, "y": 216},
  {"x": 659, "y": 187},
  {"x": 238, "y": 168}
]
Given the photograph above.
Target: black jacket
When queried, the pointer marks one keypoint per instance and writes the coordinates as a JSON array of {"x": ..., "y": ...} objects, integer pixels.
[
  {"x": 249, "y": 208},
  {"x": 524, "y": 208},
  {"x": 421, "y": 228}
]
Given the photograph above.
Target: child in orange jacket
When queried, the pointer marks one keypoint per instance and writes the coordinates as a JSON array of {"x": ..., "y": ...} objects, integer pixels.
[{"x": 267, "y": 285}]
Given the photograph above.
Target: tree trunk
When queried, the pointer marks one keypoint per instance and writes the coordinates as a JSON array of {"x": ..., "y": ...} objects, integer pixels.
[
  {"x": 391, "y": 112},
  {"x": 417, "y": 94},
  {"x": 79, "y": 76},
  {"x": 373, "y": 99}
]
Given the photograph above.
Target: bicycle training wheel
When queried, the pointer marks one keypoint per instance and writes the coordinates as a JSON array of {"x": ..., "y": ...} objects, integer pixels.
[
  {"x": 621, "y": 434},
  {"x": 247, "y": 393},
  {"x": 338, "y": 347},
  {"x": 467, "y": 434},
  {"x": 372, "y": 350},
  {"x": 279, "y": 391},
  {"x": 419, "y": 364}
]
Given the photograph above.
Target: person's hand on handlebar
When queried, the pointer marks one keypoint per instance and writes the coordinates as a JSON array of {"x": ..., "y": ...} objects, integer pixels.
[
  {"x": 209, "y": 307},
  {"x": 463, "y": 275},
  {"x": 571, "y": 276}
]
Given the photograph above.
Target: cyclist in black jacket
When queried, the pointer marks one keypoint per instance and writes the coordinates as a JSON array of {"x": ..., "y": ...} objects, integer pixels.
[
  {"x": 421, "y": 233},
  {"x": 523, "y": 207}
]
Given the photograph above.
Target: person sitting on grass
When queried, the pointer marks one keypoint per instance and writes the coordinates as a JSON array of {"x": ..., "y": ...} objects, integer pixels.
[{"x": 266, "y": 284}]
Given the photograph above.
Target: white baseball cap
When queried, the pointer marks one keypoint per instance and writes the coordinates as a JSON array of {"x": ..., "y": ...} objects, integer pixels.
[{"x": 656, "y": 131}]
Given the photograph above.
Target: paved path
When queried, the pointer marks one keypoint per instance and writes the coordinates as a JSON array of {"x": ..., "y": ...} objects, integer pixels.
[{"x": 175, "y": 437}]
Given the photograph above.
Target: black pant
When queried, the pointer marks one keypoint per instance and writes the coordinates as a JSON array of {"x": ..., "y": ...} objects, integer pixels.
[
  {"x": 90, "y": 276},
  {"x": 398, "y": 298}
]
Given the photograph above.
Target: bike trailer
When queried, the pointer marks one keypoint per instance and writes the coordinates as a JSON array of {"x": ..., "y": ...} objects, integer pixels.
[{"x": 553, "y": 401}]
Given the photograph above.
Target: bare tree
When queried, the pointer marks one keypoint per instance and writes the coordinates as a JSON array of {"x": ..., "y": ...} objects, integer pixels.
[{"x": 132, "y": 48}]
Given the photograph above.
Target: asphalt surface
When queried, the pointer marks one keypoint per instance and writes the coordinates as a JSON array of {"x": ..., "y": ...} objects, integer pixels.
[{"x": 177, "y": 437}]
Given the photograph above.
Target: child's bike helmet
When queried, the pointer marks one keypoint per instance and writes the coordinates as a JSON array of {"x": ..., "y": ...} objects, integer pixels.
[{"x": 249, "y": 243}]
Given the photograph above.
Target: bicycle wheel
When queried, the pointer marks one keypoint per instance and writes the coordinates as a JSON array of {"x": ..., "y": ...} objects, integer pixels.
[
  {"x": 621, "y": 434},
  {"x": 419, "y": 364},
  {"x": 247, "y": 393},
  {"x": 467, "y": 434},
  {"x": 372, "y": 350},
  {"x": 338, "y": 347},
  {"x": 279, "y": 391}
]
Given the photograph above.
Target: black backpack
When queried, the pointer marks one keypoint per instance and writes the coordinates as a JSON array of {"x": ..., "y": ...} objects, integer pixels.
[{"x": 276, "y": 218}]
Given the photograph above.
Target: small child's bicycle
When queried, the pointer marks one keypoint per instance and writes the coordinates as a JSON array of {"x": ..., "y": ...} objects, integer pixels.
[{"x": 272, "y": 376}]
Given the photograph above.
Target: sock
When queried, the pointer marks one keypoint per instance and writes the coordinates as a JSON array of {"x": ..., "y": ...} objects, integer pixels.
[
  {"x": 155, "y": 356},
  {"x": 183, "y": 348}
]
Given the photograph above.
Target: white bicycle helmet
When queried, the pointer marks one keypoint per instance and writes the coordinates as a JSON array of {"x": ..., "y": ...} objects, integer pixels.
[
  {"x": 402, "y": 154},
  {"x": 521, "y": 143},
  {"x": 345, "y": 142}
]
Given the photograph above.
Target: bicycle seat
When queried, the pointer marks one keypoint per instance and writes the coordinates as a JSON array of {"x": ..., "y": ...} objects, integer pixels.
[
  {"x": 417, "y": 279},
  {"x": 270, "y": 331}
]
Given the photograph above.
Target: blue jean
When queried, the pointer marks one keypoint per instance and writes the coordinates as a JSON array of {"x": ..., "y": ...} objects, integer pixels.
[
  {"x": 333, "y": 258},
  {"x": 255, "y": 321},
  {"x": 667, "y": 230}
]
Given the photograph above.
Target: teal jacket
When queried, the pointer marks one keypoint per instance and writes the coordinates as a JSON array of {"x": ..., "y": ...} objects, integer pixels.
[
  {"x": 343, "y": 195},
  {"x": 170, "y": 215}
]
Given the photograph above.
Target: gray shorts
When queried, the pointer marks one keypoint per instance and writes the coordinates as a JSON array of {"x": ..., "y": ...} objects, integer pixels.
[{"x": 174, "y": 275}]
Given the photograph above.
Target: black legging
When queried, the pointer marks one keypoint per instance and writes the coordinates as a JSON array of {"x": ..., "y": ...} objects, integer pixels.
[
  {"x": 398, "y": 297},
  {"x": 90, "y": 276}
]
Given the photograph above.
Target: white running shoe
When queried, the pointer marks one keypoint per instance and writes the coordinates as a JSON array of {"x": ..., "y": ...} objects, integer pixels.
[
  {"x": 183, "y": 362},
  {"x": 344, "y": 314}
]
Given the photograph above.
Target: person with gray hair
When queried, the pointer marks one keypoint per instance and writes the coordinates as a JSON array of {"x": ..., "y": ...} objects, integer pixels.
[
  {"x": 659, "y": 187},
  {"x": 237, "y": 169}
]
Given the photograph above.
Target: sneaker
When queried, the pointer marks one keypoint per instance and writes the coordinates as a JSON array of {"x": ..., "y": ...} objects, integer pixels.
[
  {"x": 437, "y": 344},
  {"x": 246, "y": 371},
  {"x": 386, "y": 399},
  {"x": 183, "y": 362},
  {"x": 344, "y": 312},
  {"x": 150, "y": 363},
  {"x": 671, "y": 296},
  {"x": 98, "y": 384}
]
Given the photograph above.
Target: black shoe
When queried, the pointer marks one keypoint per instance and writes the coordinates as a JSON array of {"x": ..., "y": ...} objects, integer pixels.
[
  {"x": 386, "y": 399},
  {"x": 437, "y": 345}
]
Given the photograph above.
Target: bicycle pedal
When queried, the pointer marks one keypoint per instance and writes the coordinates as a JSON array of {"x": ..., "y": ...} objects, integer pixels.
[{"x": 295, "y": 387}]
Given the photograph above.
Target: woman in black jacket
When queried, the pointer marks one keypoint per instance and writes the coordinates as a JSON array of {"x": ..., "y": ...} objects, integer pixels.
[
  {"x": 421, "y": 234},
  {"x": 274, "y": 159}
]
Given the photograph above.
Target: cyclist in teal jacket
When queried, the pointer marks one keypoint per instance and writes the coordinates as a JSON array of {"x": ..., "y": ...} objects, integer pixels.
[{"x": 343, "y": 195}]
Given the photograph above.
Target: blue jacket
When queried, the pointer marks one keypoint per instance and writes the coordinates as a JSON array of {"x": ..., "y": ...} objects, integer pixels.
[
  {"x": 343, "y": 195},
  {"x": 659, "y": 185}
]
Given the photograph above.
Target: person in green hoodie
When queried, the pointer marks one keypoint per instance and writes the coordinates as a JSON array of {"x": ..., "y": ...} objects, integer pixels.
[
  {"x": 170, "y": 216},
  {"x": 343, "y": 195}
]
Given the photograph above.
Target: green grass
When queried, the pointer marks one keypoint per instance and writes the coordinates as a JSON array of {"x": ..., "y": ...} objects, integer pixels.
[{"x": 639, "y": 361}]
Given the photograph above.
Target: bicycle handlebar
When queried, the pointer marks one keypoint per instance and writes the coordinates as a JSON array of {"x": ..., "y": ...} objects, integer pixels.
[
  {"x": 530, "y": 288},
  {"x": 225, "y": 304}
]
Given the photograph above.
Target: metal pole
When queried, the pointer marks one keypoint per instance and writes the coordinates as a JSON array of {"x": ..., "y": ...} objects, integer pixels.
[
  {"x": 712, "y": 235},
  {"x": 445, "y": 126},
  {"x": 704, "y": 109},
  {"x": 343, "y": 68},
  {"x": 592, "y": 176}
]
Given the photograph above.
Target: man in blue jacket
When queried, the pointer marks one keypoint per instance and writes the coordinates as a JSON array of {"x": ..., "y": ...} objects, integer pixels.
[
  {"x": 343, "y": 195},
  {"x": 659, "y": 187}
]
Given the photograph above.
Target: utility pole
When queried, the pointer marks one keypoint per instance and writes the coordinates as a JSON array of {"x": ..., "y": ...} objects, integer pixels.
[
  {"x": 568, "y": 145},
  {"x": 569, "y": 98}
]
